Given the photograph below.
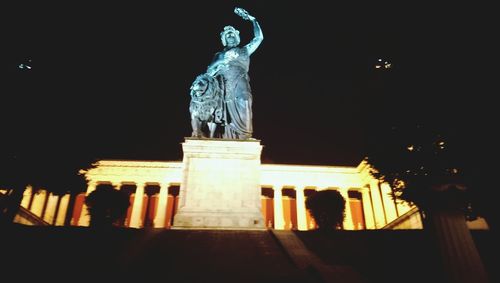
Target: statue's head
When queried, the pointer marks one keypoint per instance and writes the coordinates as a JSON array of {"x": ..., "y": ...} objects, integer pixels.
[{"x": 230, "y": 36}]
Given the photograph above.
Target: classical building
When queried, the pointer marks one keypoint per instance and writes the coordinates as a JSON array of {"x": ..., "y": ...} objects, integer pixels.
[
  {"x": 283, "y": 189},
  {"x": 155, "y": 188}
]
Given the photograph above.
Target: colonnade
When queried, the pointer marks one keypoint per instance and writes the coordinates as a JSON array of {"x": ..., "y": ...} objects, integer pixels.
[
  {"x": 49, "y": 207},
  {"x": 370, "y": 203},
  {"x": 367, "y": 208}
]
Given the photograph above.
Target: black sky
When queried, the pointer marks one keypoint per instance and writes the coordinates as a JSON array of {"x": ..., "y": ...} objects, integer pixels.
[{"x": 112, "y": 80}]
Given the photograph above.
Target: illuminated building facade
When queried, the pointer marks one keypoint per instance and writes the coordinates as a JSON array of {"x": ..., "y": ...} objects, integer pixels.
[
  {"x": 156, "y": 188},
  {"x": 284, "y": 189}
]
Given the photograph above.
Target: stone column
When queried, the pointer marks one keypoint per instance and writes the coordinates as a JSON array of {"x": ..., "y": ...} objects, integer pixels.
[
  {"x": 161, "y": 212},
  {"x": 136, "y": 217},
  {"x": 85, "y": 216},
  {"x": 25, "y": 202},
  {"x": 461, "y": 259},
  {"x": 279, "y": 219},
  {"x": 50, "y": 208},
  {"x": 378, "y": 207},
  {"x": 389, "y": 206},
  {"x": 301, "y": 208},
  {"x": 63, "y": 209},
  {"x": 367, "y": 208},
  {"x": 348, "y": 223},
  {"x": 38, "y": 202}
]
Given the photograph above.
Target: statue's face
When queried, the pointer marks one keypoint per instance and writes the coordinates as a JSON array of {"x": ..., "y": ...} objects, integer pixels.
[{"x": 231, "y": 39}]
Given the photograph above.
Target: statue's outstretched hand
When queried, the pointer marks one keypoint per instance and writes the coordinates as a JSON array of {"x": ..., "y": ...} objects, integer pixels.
[{"x": 244, "y": 14}]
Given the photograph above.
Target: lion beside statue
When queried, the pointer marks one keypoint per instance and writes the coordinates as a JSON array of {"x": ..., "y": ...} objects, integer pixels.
[{"x": 207, "y": 106}]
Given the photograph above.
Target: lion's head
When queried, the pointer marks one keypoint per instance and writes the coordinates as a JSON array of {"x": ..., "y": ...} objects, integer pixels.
[{"x": 204, "y": 87}]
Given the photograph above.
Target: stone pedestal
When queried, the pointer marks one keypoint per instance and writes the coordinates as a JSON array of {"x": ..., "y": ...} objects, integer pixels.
[{"x": 220, "y": 185}]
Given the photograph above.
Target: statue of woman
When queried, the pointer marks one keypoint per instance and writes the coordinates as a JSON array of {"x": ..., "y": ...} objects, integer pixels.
[{"x": 231, "y": 66}]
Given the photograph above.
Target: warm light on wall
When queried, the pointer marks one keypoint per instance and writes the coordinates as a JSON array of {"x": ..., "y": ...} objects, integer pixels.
[{"x": 378, "y": 207}]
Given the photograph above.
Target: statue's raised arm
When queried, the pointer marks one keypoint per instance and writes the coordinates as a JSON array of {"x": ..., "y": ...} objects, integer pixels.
[{"x": 257, "y": 31}]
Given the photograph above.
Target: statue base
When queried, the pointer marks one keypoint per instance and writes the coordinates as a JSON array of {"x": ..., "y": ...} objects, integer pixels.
[{"x": 220, "y": 185}]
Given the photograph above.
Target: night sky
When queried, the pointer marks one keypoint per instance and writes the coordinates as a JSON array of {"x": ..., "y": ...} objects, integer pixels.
[{"x": 112, "y": 80}]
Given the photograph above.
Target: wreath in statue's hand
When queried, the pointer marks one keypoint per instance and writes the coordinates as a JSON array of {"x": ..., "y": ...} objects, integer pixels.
[{"x": 243, "y": 13}]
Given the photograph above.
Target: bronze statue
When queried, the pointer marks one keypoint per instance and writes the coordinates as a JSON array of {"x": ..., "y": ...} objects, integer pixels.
[{"x": 230, "y": 69}]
